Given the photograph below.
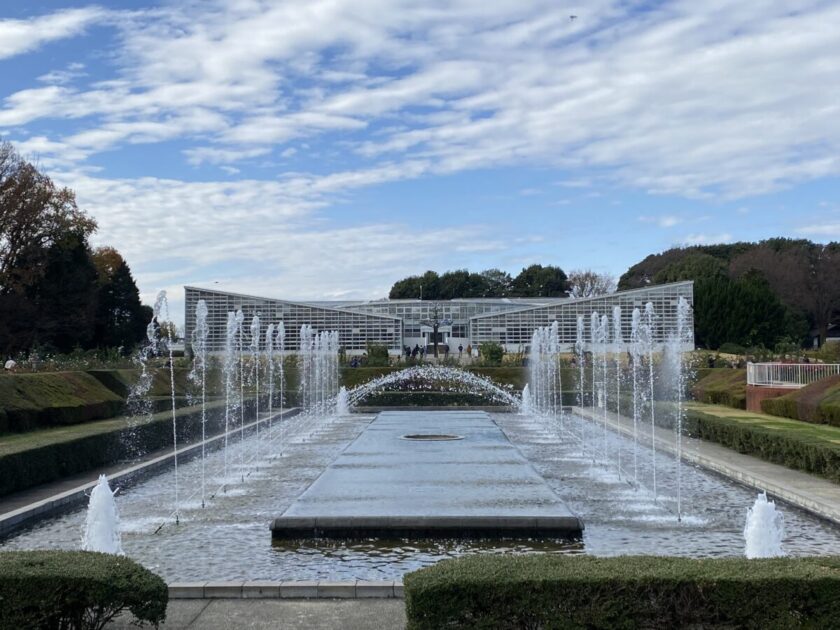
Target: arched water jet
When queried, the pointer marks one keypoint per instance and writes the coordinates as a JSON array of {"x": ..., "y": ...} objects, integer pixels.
[{"x": 432, "y": 373}]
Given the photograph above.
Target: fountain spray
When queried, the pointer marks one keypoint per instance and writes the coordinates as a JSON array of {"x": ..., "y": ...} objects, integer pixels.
[
  {"x": 618, "y": 342},
  {"x": 199, "y": 372},
  {"x": 102, "y": 522}
]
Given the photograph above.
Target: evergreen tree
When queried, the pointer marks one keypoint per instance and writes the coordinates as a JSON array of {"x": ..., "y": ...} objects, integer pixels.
[
  {"x": 64, "y": 298},
  {"x": 539, "y": 281},
  {"x": 120, "y": 319}
]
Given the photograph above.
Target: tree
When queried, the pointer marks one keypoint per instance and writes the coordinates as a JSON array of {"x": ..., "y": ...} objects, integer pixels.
[
  {"x": 120, "y": 318},
  {"x": 34, "y": 216},
  {"x": 539, "y": 281},
  {"x": 805, "y": 276},
  {"x": 424, "y": 287},
  {"x": 64, "y": 299},
  {"x": 497, "y": 283},
  {"x": 585, "y": 283}
]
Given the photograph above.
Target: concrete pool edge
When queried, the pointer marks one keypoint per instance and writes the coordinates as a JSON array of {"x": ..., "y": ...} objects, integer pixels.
[
  {"x": 288, "y": 589},
  {"x": 439, "y": 527}
]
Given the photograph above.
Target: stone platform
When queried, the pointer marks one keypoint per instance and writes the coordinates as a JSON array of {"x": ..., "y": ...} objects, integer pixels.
[{"x": 388, "y": 486}]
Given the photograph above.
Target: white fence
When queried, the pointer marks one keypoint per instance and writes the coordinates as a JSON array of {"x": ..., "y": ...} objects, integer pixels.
[{"x": 789, "y": 374}]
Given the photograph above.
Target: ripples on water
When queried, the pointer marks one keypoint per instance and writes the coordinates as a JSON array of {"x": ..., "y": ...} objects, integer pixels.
[{"x": 230, "y": 539}]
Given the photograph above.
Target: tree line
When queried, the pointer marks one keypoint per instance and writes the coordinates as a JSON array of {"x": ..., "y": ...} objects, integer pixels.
[
  {"x": 532, "y": 281},
  {"x": 56, "y": 291},
  {"x": 752, "y": 294}
]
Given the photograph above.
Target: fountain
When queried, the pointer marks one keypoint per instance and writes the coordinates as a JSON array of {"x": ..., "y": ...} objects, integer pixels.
[
  {"x": 255, "y": 358},
  {"x": 342, "y": 404},
  {"x": 526, "y": 407},
  {"x": 764, "y": 529},
  {"x": 229, "y": 375},
  {"x": 102, "y": 521},
  {"x": 199, "y": 374},
  {"x": 319, "y": 368},
  {"x": 544, "y": 385},
  {"x": 280, "y": 344},
  {"x": 636, "y": 359},
  {"x": 455, "y": 378},
  {"x": 647, "y": 332}
]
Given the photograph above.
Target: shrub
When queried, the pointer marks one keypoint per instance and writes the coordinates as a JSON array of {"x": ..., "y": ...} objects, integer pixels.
[
  {"x": 428, "y": 399},
  {"x": 76, "y": 589},
  {"x": 798, "y": 449},
  {"x": 550, "y": 591},
  {"x": 818, "y": 402},
  {"x": 491, "y": 353},
  {"x": 377, "y": 355},
  {"x": 732, "y": 348}
]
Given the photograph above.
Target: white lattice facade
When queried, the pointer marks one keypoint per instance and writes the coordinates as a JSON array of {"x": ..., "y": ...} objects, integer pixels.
[{"x": 467, "y": 322}]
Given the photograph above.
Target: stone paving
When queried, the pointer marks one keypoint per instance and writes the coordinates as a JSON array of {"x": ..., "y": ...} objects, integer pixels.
[{"x": 291, "y": 614}]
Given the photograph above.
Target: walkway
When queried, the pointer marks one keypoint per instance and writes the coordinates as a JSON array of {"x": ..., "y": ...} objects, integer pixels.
[{"x": 292, "y": 614}]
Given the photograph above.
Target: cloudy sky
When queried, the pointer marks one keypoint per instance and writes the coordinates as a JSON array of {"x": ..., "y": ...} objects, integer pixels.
[{"x": 325, "y": 149}]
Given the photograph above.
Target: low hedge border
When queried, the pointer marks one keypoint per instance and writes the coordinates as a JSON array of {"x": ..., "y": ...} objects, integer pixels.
[
  {"x": 818, "y": 403},
  {"x": 550, "y": 591},
  {"x": 807, "y": 447},
  {"x": 100, "y": 445},
  {"x": 36, "y": 401},
  {"x": 76, "y": 589}
]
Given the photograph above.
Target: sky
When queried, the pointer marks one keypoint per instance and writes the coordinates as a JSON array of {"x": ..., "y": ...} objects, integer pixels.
[{"x": 325, "y": 149}]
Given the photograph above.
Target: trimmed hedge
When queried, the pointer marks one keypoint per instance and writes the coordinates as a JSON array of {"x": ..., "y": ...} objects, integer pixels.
[
  {"x": 801, "y": 446},
  {"x": 780, "y": 442},
  {"x": 502, "y": 376},
  {"x": 818, "y": 403},
  {"x": 35, "y": 401},
  {"x": 96, "y": 446},
  {"x": 76, "y": 589},
  {"x": 550, "y": 591},
  {"x": 722, "y": 386},
  {"x": 441, "y": 399}
]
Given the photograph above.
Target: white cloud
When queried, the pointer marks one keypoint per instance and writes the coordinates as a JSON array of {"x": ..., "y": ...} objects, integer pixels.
[
  {"x": 707, "y": 239},
  {"x": 21, "y": 36},
  {"x": 663, "y": 221},
  {"x": 829, "y": 229},
  {"x": 716, "y": 98},
  {"x": 214, "y": 155}
]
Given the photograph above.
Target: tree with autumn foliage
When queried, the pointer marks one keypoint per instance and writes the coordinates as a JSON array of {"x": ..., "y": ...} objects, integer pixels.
[{"x": 54, "y": 291}]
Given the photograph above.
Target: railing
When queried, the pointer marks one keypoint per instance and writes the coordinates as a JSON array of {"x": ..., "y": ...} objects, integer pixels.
[{"x": 789, "y": 374}]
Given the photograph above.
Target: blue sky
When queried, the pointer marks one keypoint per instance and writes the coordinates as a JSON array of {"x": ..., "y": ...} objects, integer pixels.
[{"x": 325, "y": 149}]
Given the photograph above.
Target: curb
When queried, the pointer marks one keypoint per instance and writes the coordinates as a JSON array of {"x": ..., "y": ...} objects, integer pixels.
[{"x": 324, "y": 589}]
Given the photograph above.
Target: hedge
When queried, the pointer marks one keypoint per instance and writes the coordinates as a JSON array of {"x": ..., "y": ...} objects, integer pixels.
[
  {"x": 722, "y": 386},
  {"x": 34, "y": 401},
  {"x": 818, "y": 403},
  {"x": 515, "y": 377},
  {"x": 781, "y": 442},
  {"x": 551, "y": 591},
  {"x": 88, "y": 447},
  {"x": 76, "y": 589},
  {"x": 801, "y": 446}
]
